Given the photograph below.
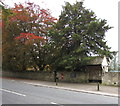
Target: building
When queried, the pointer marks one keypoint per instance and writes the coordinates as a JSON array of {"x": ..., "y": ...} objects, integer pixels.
[{"x": 96, "y": 69}]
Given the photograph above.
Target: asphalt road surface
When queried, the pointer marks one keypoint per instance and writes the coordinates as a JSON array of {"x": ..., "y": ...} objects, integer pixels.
[{"x": 18, "y": 92}]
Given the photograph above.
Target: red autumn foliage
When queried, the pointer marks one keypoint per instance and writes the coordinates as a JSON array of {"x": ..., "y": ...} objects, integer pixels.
[
  {"x": 33, "y": 17},
  {"x": 29, "y": 36},
  {"x": 28, "y": 13}
]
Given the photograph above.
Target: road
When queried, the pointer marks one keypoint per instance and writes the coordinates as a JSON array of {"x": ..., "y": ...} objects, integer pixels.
[{"x": 18, "y": 92}]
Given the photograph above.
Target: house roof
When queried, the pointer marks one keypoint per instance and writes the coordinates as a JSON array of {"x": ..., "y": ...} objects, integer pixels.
[{"x": 97, "y": 60}]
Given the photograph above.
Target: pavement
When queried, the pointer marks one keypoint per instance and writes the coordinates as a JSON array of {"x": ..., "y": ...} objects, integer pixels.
[{"x": 91, "y": 88}]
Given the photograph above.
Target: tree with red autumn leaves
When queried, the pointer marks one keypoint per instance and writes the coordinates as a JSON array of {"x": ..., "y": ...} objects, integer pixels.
[
  {"x": 31, "y": 19},
  {"x": 28, "y": 28}
]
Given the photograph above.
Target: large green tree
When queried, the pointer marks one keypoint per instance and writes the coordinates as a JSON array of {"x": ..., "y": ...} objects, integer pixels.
[{"x": 77, "y": 36}]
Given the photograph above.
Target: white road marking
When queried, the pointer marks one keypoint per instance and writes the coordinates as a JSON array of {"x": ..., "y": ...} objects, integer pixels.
[
  {"x": 56, "y": 104},
  {"x": 53, "y": 103},
  {"x": 12, "y": 92}
]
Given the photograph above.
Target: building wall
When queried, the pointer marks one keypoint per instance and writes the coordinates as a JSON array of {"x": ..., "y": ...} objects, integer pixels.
[{"x": 105, "y": 64}]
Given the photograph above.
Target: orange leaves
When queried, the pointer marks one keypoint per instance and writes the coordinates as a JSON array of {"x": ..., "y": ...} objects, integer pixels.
[
  {"x": 47, "y": 18},
  {"x": 29, "y": 36},
  {"x": 31, "y": 12},
  {"x": 18, "y": 6},
  {"x": 43, "y": 11},
  {"x": 16, "y": 11},
  {"x": 22, "y": 13},
  {"x": 21, "y": 17},
  {"x": 30, "y": 3},
  {"x": 31, "y": 18}
]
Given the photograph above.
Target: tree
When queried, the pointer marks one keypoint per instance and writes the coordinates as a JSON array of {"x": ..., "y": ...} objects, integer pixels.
[
  {"x": 30, "y": 19},
  {"x": 77, "y": 36},
  {"x": 7, "y": 43},
  {"x": 26, "y": 45},
  {"x": 29, "y": 25}
]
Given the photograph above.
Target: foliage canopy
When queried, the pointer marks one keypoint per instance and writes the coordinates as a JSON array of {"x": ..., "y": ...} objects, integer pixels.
[
  {"x": 65, "y": 44},
  {"x": 77, "y": 36}
]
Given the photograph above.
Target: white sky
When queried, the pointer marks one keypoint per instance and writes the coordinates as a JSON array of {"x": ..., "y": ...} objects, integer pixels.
[{"x": 104, "y": 9}]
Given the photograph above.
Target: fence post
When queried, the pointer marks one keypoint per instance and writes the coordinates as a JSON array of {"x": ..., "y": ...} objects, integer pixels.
[{"x": 98, "y": 86}]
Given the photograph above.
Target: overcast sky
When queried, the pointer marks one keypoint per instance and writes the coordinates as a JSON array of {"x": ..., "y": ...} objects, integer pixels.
[{"x": 104, "y": 9}]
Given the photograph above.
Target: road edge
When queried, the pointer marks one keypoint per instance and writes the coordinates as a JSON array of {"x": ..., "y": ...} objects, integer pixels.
[{"x": 76, "y": 90}]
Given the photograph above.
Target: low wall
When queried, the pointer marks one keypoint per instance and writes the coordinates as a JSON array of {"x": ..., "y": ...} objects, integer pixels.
[
  {"x": 29, "y": 75},
  {"x": 79, "y": 77},
  {"x": 49, "y": 76},
  {"x": 111, "y": 78}
]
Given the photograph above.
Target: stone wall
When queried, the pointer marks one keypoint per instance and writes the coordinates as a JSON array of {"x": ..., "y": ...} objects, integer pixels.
[
  {"x": 63, "y": 76},
  {"x": 79, "y": 77},
  {"x": 29, "y": 75},
  {"x": 111, "y": 78}
]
